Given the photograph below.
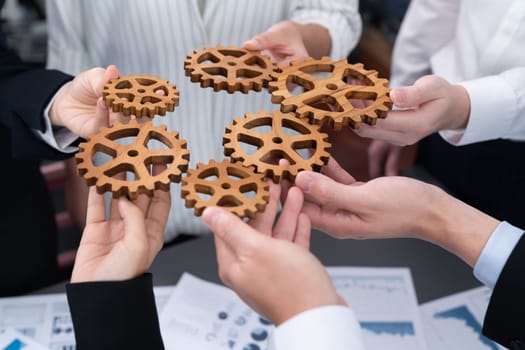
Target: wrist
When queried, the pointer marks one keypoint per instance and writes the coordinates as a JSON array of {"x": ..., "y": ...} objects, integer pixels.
[
  {"x": 462, "y": 229},
  {"x": 55, "y": 110},
  {"x": 461, "y": 106}
]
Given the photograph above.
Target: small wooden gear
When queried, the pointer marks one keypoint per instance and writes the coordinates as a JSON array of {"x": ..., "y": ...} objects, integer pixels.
[
  {"x": 136, "y": 158},
  {"x": 326, "y": 99},
  {"x": 229, "y": 68},
  {"x": 227, "y": 185},
  {"x": 138, "y": 95},
  {"x": 283, "y": 136}
]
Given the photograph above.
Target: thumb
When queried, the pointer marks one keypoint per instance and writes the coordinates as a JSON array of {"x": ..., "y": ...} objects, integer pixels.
[
  {"x": 111, "y": 72},
  {"x": 425, "y": 89},
  {"x": 324, "y": 191},
  {"x": 238, "y": 235},
  {"x": 263, "y": 41}
]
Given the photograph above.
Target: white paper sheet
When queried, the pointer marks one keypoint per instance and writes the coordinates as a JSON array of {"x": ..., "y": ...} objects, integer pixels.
[
  {"x": 10, "y": 339},
  {"x": 455, "y": 321},
  {"x": 46, "y": 318},
  {"x": 204, "y": 315}
]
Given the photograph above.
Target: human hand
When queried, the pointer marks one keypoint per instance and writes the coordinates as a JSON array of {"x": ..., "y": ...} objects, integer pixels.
[
  {"x": 389, "y": 207},
  {"x": 124, "y": 246},
  {"x": 383, "y": 159},
  {"x": 283, "y": 42},
  {"x": 79, "y": 105},
  {"x": 430, "y": 105},
  {"x": 271, "y": 269}
]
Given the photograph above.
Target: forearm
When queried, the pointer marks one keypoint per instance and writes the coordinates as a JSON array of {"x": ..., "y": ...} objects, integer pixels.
[{"x": 457, "y": 227}]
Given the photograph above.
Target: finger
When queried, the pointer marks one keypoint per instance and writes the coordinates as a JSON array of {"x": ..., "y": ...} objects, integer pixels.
[
  {"x": 96, "y": 211},
  {"x": 238, "y": 235},
  {"x": 287, "y": 223},
  {"x": 263, "y": 221},
  {"x": 133, "y": 217},
  {"x": 225, "y": 259},
  {"x": 111, "y": 72},
  {"x": 334, "y": 171},
  {"x": 285, "y": 184},
  {"x": 392, "y": 161},
  {"x": 303, "y": 231},
  {"x": 393, "y": 137},
  {"x": 324, "y": 191},
  {"x": 158, "y": 213},
  {"x": 424, "y": 90},
  {"x": 143, "y": 202},
  {"x": 114, "y": 213}
]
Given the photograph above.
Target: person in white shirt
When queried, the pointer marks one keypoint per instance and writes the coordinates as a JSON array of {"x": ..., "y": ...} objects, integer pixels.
[
  {"x": 154, "y": 38},
  {"x": 477, "y": 47}
]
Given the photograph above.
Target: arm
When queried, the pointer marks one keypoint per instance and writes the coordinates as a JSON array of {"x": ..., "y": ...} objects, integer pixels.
[
  {"x": 392, "y": 207},
  {"x": 251, "y": 255},
  {"x": 315, "y": 28},
  {"x": 111, "y": 300},
  {"x": 427, "y": 26}
]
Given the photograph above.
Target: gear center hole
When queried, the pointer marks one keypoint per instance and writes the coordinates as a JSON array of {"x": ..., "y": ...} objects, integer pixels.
[
  {"x": 226, "y": 186},
  {"x": 277, "y": 140},
  {"x": 331, "y": 86},
  {"x": 232, "y": 63},
  {"x": 133, "y": 153},
  {"x": 141, "y": 91}
]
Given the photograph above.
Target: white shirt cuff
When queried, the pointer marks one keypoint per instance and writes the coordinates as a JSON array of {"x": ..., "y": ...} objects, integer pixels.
[
  {"x": 496, "y": 252},
  {"x": 488, "y": 120},
  {"x": 61, "y": 138},
  {"x": 328, "y": 327}
]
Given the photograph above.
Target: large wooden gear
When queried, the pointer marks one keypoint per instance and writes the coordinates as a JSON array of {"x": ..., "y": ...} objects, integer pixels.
[
  {"x": 139, "y": 95},
  {"x": 136, "y": 158},
  {"x": 229, "y": 68},
  {"x": 227, "y": 185},
  {"x": 283, "y": 136},
  {"x": 335, "y": 99}
]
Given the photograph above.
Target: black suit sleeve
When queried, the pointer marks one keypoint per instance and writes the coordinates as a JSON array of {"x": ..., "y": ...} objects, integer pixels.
[
  {"x": 505, "y": 320},
  {"x": 115, "y": 315},
  {"x": 24, "y": 94}
]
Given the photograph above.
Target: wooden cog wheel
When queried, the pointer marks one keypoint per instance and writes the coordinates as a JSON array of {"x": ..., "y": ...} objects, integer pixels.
[
  {"x": 335, "y": 93},
  {"x": 275, "y": 136},
  {"x": 136, "y": 158},
  {"x": 229, "y": 68},
  {"x": 228, "y": 185},
  {"x": 140, "y": 95}
]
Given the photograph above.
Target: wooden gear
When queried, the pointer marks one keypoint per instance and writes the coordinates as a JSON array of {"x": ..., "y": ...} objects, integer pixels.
[
  {"x": 227, "y": 184},
  {"x": 276, "y": 144},
  {"x": 136, "y": 157},
  {"x": 229, "y": 68},
  {"x": 326, "y": 99},
  {"x": 138, "y": 95}
]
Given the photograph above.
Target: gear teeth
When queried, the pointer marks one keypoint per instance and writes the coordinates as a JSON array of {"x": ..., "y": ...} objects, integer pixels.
[
  {"x": 345, "y": 114},
  {"x": 277, "y": 144},
  {"x": 129, "y": 156},
  {"x": 129, "y": 95},
  {"x": 224, "y": 190},
  {"x": 222, "y": 73}
]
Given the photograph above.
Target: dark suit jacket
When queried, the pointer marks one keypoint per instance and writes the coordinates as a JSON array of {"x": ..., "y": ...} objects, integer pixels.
[
  {"x": 115, "y": 315},
  {"x": 505, "y": 317},
  {"x": 28, "y": 233}
]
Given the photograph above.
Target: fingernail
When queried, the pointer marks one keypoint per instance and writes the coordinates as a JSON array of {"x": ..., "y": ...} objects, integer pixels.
[
  {"x": 252, "y": 42},
  {"x": 101, "y": 104},
  {"x": 210, "y": 216},
  {"x": 398, "y": 96},
  {"x": 304, "y": 181}
]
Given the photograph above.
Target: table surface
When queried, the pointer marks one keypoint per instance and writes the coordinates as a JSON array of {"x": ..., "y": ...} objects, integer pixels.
[{"x": 436, "y": 273}]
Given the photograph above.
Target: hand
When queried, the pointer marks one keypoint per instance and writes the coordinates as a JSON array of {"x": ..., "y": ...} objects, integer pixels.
[
  {"x": 271, "y": 269},
  {"x": 390, "y": 207},
  {"x": 79, "y": 105},
  {"x": 282, "y": 42},
  {"x": 430, "y": 105},
  {"x": 383, "y": 159},
  {"x": 124, "y": 246}
]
